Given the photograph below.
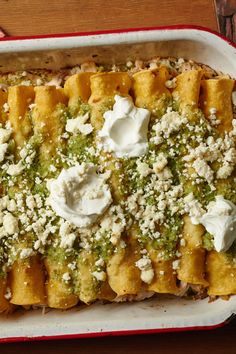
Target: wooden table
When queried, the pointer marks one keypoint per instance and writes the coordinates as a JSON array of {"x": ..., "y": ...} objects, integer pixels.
[{"x": 24, "y": 17}]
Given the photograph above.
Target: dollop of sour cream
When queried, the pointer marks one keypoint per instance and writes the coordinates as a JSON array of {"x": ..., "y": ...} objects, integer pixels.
[
  {"x": 125, "y": 129},
  {"x": 80, "y": 194},
  {"x": 220, "y": 222}
]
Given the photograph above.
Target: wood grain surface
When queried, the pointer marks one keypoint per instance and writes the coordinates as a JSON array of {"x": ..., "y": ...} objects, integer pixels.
[
  {"x": 25, "y": 17},
  {"x": 29, "y": 17}
]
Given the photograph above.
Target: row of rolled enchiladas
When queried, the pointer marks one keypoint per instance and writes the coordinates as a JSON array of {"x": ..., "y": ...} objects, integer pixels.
[{"x": 105, "y": 183}]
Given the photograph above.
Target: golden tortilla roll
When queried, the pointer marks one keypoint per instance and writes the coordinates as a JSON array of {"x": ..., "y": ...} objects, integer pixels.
[
  {"x": 192, "y": 262},
  {"x": 121, "y": 267},
  {"x": 59, "y": 293},
  {"x": 221, "y": 274},
  {"x": 19, "y": 99},
  {"x": 26, "y": 278},
  {"x": 123, "y": 276},
  {"x": 149, "y": 90},
  {"x": 27, "y": 282},
  {"x": 105, "y": 292},
  {"x": 88, "y": 289},
  {"x": 187, "y": 88},
  {"x": 5, "y": 305},
  {"x": 77, "y": 88},
  {"x": 164, "y": 280},
  {"x": 48, "y": 123},
  {"x": 104, "y": 87},
  {"x": 24, "y": 275},
  {"x": 217, "y": 93},
  {"x": 3, "y": 100},
  {"x": 47, "y": 119}
]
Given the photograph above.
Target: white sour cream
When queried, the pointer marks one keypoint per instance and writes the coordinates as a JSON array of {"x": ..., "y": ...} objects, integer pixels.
[
  {"x": 80, "y": 194},
  {"x": 125, "y": 129},
  {"x": 220, "y": 221}
]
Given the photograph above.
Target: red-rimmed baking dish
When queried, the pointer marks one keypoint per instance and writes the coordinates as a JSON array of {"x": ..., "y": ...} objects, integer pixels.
[{"x": 163, "y": 313}]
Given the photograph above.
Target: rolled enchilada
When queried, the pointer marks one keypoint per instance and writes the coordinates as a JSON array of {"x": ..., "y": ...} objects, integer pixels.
[
  {"x": 26, "y": 270},
  {"x": 220, "y": 266}
]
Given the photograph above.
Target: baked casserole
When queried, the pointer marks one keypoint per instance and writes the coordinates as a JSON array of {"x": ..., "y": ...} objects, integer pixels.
[{"x": 117, "y": 184}]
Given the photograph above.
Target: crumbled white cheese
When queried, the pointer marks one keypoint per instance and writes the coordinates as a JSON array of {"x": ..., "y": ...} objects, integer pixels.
[
  {"x": 11, "y": 205},
  {"x": 153, "y": 66},
  {"x": 38, "y": 180},
  {"x": 181, "y": 61},
  {"x": 32, "y": 106},
  {"x": 100, "y": 276},
  {"x": 100, "y": 262},
  {"x": 25, "y": 83},
  {"x": 212, "y": 117},
  {"x": 52, "y": 168},
  {"x": 161, "y": 162},
  {"x": 8, "y": 294},
  {"x": 165, "y": 174},
  {"x": 26, "y": 253},
  {"x": 5, "y": 135},
  {"x": 113, "y": 222},
  {"x": 168, "y": 124},
  {"x": 15, "y": 170},
  {"x": 213, "y": 110},
  {"x": 203, "y": 169},
  {"x": 143, "y": 169},
  {"x": 3, "y": 150},
  {"x": 72, "y": 265},
  {"x": 6, "y": 107},
  {"x": 37, "y": 245},
  {"x": 10, "y": 224},
  {"x": 89, "y": 66},
  {"x": 225, "y": 171},
  {"x": 39, "y": 82},
  {"x": 147, "y": 273},
  {"x": 176, "y": 264},
  {"x": 4, "y": 202},
  {"x": 30, "y": 202},
  {"x": 230, "y": 155},
  {"x": 129, "y": 64},
  {"x": 79, "y": 124},
  {"x": 143, "y": 263},
  {"x": 65, "y": 228},
  {"x": 66, "y": 277},
  {"x": 68, "y": 241},
  {"x": 193, "y": 208},
  {"x": 2, "y": 232},
  {"x": 55, "y": 81},
  {"x": 171, "y": 83}
]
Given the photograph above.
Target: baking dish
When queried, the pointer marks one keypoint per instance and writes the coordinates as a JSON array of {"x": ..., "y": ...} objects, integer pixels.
[{"x": 54, "y": 52}]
